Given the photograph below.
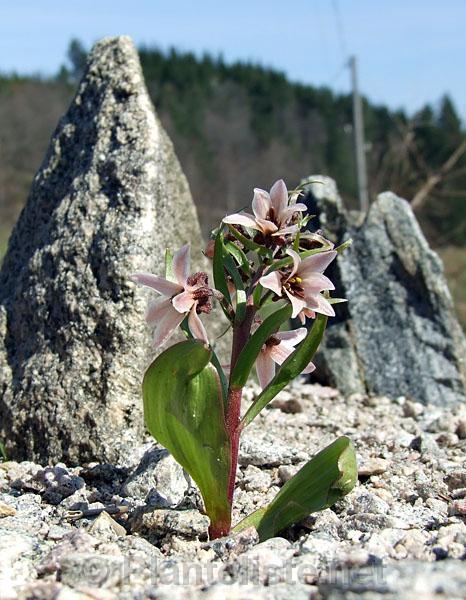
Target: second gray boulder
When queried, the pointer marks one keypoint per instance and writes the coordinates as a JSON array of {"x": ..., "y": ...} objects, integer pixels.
[{"x": 398, "y": 334}]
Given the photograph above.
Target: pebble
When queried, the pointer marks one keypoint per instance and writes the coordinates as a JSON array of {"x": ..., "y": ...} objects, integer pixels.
[
  {"x": 461, "y": 429},
  {"x": 372, "y": 466},
  {"x": 106, "y": 528},
  {"x": 159, "y": 522},
  {"x": 458, "y": 507},
  {"x": 158, "y": 478},
  {"x": 456, "y": 479},
  {"x": 413, "y": 409},
  {"x": 291, "y": 406},
  {"x": 255, "y": 479},
  {"x": 6, "y": 510}
]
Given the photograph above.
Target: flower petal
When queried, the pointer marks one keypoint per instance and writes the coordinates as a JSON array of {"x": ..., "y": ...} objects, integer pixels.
[
  {"x": 181, "y": 264},
  {"x": 196, "y": 327},
  {"x": 244, "y": 219},
  {"x": 159, "y": 284},
  {"x": 183, "y": 302},
  {"x": 267, "y": 226},
  {"x": 318, "y": 303},
  {"x": 310, "y": 367},
  {"x": 157, "y": 309},
  {"x": 292, "y": 337},
  {"x": 279, "y": 197},
  {"x": 261, "y": 203},
  {"x": 296, "y": 261},
  {"x": 167, "y": 326},
  {"x": 273, "y": 282},
  {"x": 297, "y": 303},
  {"x": 306, "y": 312},
  {"x": 288, "y": 212},
  {"x": 316, "y": 282},
  {"x": 287, "y": 230},
  {"x": 316, "y": 263},
  {"x": 265, "y": 368},
  {"x": 280, "y": 352}
]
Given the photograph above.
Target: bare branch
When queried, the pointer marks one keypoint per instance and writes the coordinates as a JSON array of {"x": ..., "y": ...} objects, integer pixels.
[{"x": 434, "y": 179}]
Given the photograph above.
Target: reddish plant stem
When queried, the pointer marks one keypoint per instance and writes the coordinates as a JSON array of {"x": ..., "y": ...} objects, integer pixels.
[
  {"x": 233, "y": 418},
  {"x": 219, "y": 529},
  {"x": 241, "y": 333}
]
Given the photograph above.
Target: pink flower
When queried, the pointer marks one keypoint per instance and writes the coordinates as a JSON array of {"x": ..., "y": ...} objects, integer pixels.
[
  {"x": 303, "y": 283},
  {"x": 276, "y": 350},
  {"x": 272, "y": 213},
  {"x": 187, "y": 295}
]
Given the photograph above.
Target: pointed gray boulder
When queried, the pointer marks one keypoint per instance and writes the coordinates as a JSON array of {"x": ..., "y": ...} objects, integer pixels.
[
  {"x": 398, "y": 334},
  {"x": 107, "y": 201}
]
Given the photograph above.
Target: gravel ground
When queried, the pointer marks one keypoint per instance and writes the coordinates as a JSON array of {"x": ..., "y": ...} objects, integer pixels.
[{"x": 401, "y": 533}]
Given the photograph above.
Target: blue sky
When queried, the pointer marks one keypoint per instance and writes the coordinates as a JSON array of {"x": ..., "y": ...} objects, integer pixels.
[{"x": 410, "y": 52}]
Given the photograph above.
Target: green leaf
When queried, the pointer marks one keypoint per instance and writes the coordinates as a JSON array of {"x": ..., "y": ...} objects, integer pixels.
[
  {"x": 240, "y": 306},
  {"x": 249, "y": 244},
  {"x": 223, "y": 380},
  {"x": 337, "y": 300},
  {"x": 218, "y": 268},
  {"x": 184, "y": 411},
  {"x": 291, "y": 368},
  {"x": 239, "y": 256},
  {"x": 326, "y": 478},
  {"x": 248, "y": 355},
  {"x": 257, "y": 295},
  {"x": 233, "y": 271},
  {"x": 342, "y": 247}
]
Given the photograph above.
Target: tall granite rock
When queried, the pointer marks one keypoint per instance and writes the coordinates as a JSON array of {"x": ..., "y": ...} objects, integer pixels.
[
  {"x": 107, "y": 200},
  {"x": 398, "y": 334}
]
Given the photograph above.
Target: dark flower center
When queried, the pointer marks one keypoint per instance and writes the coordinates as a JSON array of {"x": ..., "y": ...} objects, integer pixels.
[
  {"x": 293, "y": 285},
  {"x": 272, "y": 341},
  {"x": 203, "y": 294},
  {"x": 200, "y": 279}
]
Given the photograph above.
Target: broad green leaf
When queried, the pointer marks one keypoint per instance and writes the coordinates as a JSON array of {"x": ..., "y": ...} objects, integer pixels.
[
  {"x": 248, "y": 355},
  {"x": 291, "y": 368},
  {"x": 214, "y": 360},
  {"x": 326, "y": 478},
  {"x": 3, "y": 455},
  {"x": 223, "y": 380},
  {"x": 183, "y": 410}
]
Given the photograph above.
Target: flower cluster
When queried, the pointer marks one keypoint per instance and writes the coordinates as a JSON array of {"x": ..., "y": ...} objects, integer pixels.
[{"x": 283, "y": 265}]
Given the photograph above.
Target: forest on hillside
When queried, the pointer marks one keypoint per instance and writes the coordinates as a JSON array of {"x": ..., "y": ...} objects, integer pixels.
[{"x": 237, "y": 126}]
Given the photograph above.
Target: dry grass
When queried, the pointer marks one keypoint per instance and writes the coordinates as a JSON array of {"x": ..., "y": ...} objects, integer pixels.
[{"x": 454, "y": 260}]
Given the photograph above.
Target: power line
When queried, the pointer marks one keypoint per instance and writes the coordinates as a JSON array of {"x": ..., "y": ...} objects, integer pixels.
[{"x": 339, "y": 28}]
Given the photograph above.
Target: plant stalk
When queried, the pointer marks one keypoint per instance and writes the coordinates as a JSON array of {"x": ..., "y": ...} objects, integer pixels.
[{"x": 241, "y": 334}]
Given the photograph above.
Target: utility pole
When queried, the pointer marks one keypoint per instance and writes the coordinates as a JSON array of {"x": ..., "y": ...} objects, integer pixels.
[{"x": 358, "y": 125}]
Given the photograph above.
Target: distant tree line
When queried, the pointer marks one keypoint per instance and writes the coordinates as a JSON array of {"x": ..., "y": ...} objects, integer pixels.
[{"x": 240, "y": 125}]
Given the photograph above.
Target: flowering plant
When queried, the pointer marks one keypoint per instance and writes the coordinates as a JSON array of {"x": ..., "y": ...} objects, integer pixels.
[{"x": 267, "y": 269}]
